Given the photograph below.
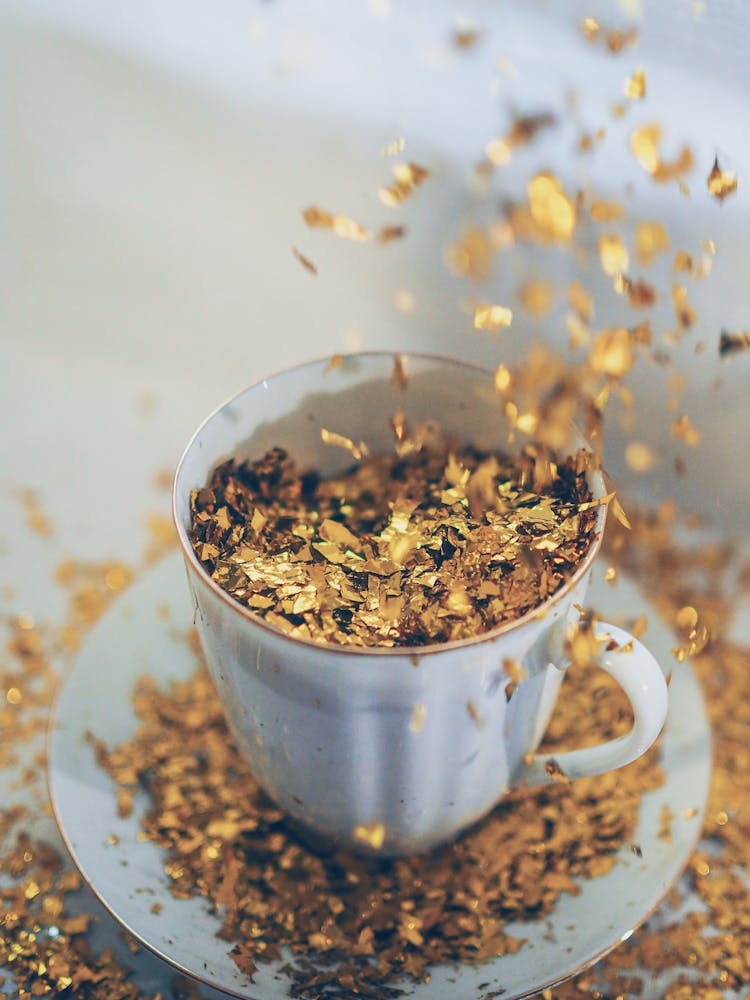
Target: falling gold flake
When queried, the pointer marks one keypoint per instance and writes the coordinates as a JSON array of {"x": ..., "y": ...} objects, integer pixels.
[
  {"x": 606, "y": 211},
  {"x": 502, "y": 378},
  {"x": 36, "y": 519},
  {"x": 613, "y": 255},
  {"x": 639, "y": 456},
  {"x": 651, "y": 239},
  {"x": 341, "y": 225},
  {"x": 612, "y": 352},
  {"x": 684, "y": 312},
  {"x": 635, "y": 86},
  {"x": 721, "y": 183},
  {"x": 405, "y": 300},
  {"x": 683, "y": 429},
  {"x": 617, "y": 39},
  {"x": 416, "y": 723},
  {"x": 408, "y": 177},
  {"x": 580, "y": 300},
  {"x": 335, "y": 361},
  {"x": 387, "y": 234},
  {"x": 476, "y": 718},
  {"x": 305, "y": 261},
  {"x": 590, "y": 28},
  {"x": 394, "y": 147},
  {"x": 551, "y": 208},
  {"x": 610, "y": 574},
  {"x": 357, "y": 451},
  {"x": 644, "y": 143},
  {"x": 733, "y": 343},
  {"x": 524, "y": 130},
  {"x": 372, "y": 835},
  {"x": 492, "y": 317},
  {"x": 536, "y": 297},
  {"x": 466, "y": 37},
  {"x": 399, "y": 372},
  {"x": 471, "y": 255}
]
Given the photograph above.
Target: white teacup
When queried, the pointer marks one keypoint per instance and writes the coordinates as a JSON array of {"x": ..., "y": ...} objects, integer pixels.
[{"x": 328, "y": 730}]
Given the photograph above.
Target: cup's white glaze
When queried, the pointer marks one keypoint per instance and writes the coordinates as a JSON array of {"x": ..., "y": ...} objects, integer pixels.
[{"x": 329, "y": 731}]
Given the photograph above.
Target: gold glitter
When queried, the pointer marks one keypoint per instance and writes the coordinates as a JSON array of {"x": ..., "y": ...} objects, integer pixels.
[
  {"x": 645, "y": 141},
  {"x": 408, "y": 177},
  {"x": 612, "y": 353},
  {"x": 13, "y": 696},
  {"x": 388, "y": 234},
  {"x": 357, "y": 451},
  {"x": 305, "y": 261},
  {"x": 635, "y": 86},
  {"x": 684, "y": 312},
  {"x": 373, "y": 835},
  {"x": 35, "y": 517},
  {"x": 580, "y": 300},
  {"x": 733, "y": 343},
  {"x": 405, "y": 300},
  {"x": 551, "y": 208},
  {"x": 610, "y": 574},
  {"x": 524, "y": 130},
  {"x": 606, "y": 211},
  {"x": 341, "y": 225},
  {"x": 492, "y": 317},
  {"x": 502, "y": 379},
  {"x": 536, "y": 297},
  {"x": 590, "y": 28},
  {"x": 721, "y": 183},
  {"x": 682, "y": 428},
  {"x": 416, "y": 724},
  {"x": 613, "y": 255},
  {"x": 471, "y": 255},
  {"x": 394, "y": 147},
  {"x": 476, "y": 718},
  {"x": 402, "y": 549},
  {"x": 639, "y": 456},
  {"x": 651, "y": 239}
]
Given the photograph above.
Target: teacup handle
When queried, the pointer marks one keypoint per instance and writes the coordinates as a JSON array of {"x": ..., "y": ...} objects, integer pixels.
[{"x": 641, "y": 678}]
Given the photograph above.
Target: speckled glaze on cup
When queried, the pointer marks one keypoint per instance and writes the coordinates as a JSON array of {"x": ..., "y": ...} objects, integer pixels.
[{"x": 326, "y": 729}]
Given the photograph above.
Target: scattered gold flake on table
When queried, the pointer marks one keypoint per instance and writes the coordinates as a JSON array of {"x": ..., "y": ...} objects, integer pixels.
[
  {"x": 492, "y": 317},
  {"x": 721, "y": 183},
  {"x": 305, "y": 261},
  {"x": 635, "y": 86},
  {"x": 536, "y": 297},
  {"x": 408, "y": 177},
  {"x": 733, "y": 343},
  {"x": 341, "y": 225},
  {"x": 426, "y": 545}
]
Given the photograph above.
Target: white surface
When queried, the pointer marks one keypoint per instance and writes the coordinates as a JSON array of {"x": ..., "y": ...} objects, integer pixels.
[{"x": 134, "y": 638}]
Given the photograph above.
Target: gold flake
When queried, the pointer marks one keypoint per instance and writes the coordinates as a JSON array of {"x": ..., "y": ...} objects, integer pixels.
[
  {"x": 721, "y": 183},
  {"x": 492, "y": 317}
]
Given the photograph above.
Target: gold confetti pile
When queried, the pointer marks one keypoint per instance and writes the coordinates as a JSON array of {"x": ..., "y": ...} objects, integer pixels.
[
  {"x": 223, "y": 839},
  {"x": 426, "y": 545}
]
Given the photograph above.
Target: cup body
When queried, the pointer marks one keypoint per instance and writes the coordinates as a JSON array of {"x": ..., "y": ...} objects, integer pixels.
[{"x": 411, "y": 745}]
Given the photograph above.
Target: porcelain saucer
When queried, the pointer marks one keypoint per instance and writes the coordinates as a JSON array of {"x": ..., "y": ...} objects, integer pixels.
[{"x": 145, "y": 633}]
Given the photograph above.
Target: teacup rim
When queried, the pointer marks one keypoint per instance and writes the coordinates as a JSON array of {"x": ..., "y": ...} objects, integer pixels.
[{"x": 537, "y": 613}]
